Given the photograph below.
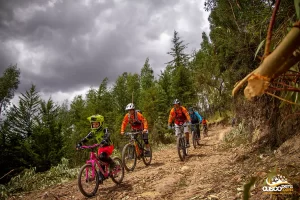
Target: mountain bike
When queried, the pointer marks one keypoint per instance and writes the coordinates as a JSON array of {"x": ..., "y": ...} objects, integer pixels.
[
  {"x": 95, "y": 171},
  {"x": 181, "y": 142},
  {"x": 135, "y": 150},
  {"x": 195, "y": 137}
]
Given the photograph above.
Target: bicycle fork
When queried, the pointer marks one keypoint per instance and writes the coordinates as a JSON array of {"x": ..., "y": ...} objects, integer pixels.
[{"x": 138, "y": 150}]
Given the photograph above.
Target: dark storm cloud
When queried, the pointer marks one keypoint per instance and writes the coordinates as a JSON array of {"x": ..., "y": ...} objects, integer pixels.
[{"x": 65, "y": 45}]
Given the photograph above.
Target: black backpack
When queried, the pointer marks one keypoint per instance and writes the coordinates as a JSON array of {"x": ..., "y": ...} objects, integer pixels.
[{"x": 137, "y": 121}]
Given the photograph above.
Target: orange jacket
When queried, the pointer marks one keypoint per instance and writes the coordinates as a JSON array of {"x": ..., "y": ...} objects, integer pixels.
[
  {"x": 181, "y": 115},
  {"x": 204, "y": 122},
  {"x": 132, "y": 120}
]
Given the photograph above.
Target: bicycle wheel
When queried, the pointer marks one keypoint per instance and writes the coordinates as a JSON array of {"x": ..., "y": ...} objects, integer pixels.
[
  {"x": 205, "y": 132},
  {"x": 181, "y": 148},
  {"x": 195, "y": 139},
  {"x": 129, "y": 157},
  {"x": 184, "y": 146},
  {"x": 117, "y": 174},
  {"x": 147, "y": 160},
  {"x": 87, "y": 183}
]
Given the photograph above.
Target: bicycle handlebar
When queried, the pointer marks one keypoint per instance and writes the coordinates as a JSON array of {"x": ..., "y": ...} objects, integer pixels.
[
  {"x": 89, "y": 146},
  {"x": 179, "y": 126},
  {"x": 132, "y": 133}
]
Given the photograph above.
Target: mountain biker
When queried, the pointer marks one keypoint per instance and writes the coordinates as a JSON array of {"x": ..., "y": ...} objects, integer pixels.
[
  {"x": 196, "y": 119},
  {"x": 102, "y": 136},
  {"x": 204, "y": 124},
  {"x": 137, "y": 122},
  {"x": 180, "y": 116}
]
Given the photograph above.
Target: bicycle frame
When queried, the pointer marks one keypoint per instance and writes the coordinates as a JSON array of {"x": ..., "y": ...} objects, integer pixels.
[
  {"x": 95, "y": 162},
  {"x": 135, "y": 141}
]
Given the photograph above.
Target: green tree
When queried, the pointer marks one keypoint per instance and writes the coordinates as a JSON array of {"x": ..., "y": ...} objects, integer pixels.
[
  {"x": 177, "y": 52},
  {"x": 147, "y": 77},
  {"x": 120, "y": 93},
  {"x": 165, "y": 82},
  {"x": 16, "y": 133},
  {"x": 9, "y": 83},
  {"x": 47, "y": 137},
  {"x": 180, "y": 73},
  {"x": 23, "y": 117}
]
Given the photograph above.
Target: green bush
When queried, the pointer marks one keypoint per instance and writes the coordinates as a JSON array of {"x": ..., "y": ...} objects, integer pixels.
[
  {"x": 237, "y": 136},
  {"x": 30, "y": 180}
]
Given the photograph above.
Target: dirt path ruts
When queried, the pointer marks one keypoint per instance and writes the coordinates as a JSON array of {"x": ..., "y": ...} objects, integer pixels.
[{"x": 201, "y": 176}]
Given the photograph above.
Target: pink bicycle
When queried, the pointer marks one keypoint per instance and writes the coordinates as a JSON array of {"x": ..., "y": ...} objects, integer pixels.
[{"x": 95, "y": 171}]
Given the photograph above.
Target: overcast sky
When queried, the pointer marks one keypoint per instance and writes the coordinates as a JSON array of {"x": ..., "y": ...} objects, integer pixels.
[{"x": 65, "y": 47}]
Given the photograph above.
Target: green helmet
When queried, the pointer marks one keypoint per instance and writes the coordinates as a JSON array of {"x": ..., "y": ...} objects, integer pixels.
[{"x": 96, "y": 121}]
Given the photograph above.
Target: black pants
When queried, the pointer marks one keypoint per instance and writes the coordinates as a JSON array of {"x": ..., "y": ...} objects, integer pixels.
[
  {"x": 105, "y": 158},
  {"x": 196, "y": 128}
]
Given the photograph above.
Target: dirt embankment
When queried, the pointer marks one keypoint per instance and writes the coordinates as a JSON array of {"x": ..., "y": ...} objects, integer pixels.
[{"x": 210, "y": 172}]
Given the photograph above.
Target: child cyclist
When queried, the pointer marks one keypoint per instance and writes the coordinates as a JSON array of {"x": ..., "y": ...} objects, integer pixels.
[{"x": 102, "y": 136}]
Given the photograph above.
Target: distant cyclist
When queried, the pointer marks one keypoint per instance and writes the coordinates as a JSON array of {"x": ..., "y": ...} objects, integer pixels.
[
  {"x": 196, "y": 119},
  {"x": 204, "y": 124},
  {"x": 180, "y": 116}
]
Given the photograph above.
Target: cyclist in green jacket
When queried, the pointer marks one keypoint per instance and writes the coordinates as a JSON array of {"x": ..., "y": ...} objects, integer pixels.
[{"x": 100, "y": 132}]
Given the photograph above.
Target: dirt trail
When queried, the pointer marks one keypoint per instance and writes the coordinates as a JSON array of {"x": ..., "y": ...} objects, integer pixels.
[{"x": 206, "y": 174}]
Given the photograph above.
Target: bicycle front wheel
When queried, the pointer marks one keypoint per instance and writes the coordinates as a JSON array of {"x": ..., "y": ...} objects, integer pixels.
[
  {"x": 117, "y": 174},
  {"x": 88, "y": 181},
  {"x": 129, "y": 157},
  {"x": 181, "y": 148},
  {"x": 147, "y": 159}
]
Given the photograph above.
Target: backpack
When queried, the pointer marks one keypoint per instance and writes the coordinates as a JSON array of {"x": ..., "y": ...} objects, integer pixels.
[
  {"x": 137, "y": 121},
  {"x": 180, "y": 118},
  {"x": 194, "y": 118}
]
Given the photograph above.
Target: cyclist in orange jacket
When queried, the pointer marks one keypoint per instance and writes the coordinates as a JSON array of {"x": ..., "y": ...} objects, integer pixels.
[
  {"x": 204, "y": 123},
  {"x": 180, "y": 116},
  {"x": 138, "y": 122}
]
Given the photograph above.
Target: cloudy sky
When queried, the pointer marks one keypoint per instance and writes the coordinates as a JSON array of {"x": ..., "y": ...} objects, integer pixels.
[{"x": 65, "y": 47}]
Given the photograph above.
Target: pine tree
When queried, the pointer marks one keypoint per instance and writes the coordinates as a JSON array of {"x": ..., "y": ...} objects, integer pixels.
[
  {"x": 23, "y": 117},
  {"x": 177, "y": 52},
  {"x": 147, "y": 77},
  {"x": 47, "y": 137}
]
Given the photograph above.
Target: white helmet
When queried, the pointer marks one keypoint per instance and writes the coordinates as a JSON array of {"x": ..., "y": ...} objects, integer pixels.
[{"x": 130, "y": 106}]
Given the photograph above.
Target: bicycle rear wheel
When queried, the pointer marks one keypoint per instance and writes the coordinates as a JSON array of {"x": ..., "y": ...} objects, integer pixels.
[
  {"x": 195, "y": 139},
  {"x": 129, "y": 157},
  {"x": 147, "y": 160},
  {"x": 181, "y": 148},
  {"x": 88, "y": 182},
  {"x": 117, "y": 174}
]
